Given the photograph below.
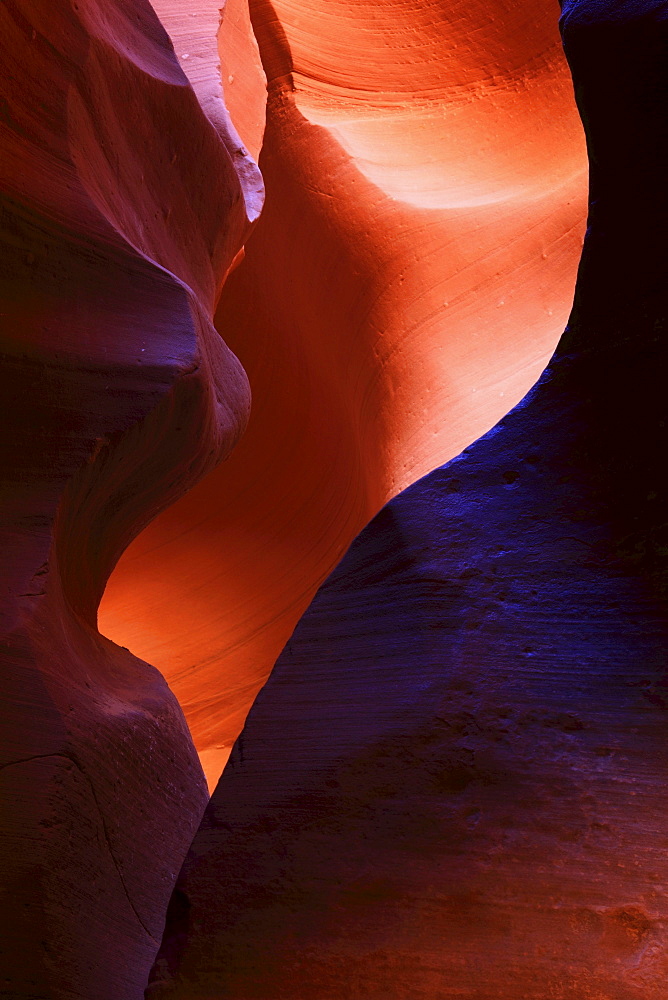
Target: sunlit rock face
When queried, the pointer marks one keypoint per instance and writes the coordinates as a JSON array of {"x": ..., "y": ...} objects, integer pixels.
[
  {"x": 117, "y": 395},
  {"x": 453, "y": 783},
  {"x": 408, "y": 279}
]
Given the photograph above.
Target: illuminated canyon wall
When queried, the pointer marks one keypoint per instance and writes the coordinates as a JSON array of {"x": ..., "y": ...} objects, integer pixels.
[
  {"x": 452, "y": 783},
  {"x": 406, "y": 283}
]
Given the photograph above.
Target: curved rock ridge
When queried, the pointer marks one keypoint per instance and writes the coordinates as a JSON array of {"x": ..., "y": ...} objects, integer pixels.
[
  {"x": 441, "y": 105},
  {"x": 206, "y": 38},
  {"x": 406, "y": 284},
  {"x": 453, "y": 783},
  {"x": 117, "y": 394}
]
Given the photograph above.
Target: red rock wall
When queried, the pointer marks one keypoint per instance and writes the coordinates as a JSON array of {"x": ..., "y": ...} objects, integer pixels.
[
  {"x": 406, "y": 283},
  {"x": 404, "y": 286},
  {"x": 453, "y": 784},
  {"x": 117, "y": 395}
]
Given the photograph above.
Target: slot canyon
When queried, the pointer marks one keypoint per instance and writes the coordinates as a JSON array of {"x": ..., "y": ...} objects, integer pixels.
[{"x": 333, "y": 519}]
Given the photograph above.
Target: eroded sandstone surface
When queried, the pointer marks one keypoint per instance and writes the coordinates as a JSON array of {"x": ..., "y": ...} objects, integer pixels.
[
  {"x": 408, "y": 280},
  {"x": 117, "y": 395},
  {"x": 453, "y": 783}
]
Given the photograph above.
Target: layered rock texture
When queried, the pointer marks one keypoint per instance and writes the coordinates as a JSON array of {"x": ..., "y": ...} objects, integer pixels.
[
  {"x": 453, "y": 783},
  {"x": 408, "y": 279},
  {"x": 123, "y": 208}
]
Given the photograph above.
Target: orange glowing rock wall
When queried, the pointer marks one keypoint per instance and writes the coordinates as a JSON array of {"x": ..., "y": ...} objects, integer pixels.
[
  {"x": 117, "y": 395},
  {"x": 403, "y": 286},
  {"x": 453, "y": 784},
  {"x": 407, "y": 281}
]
